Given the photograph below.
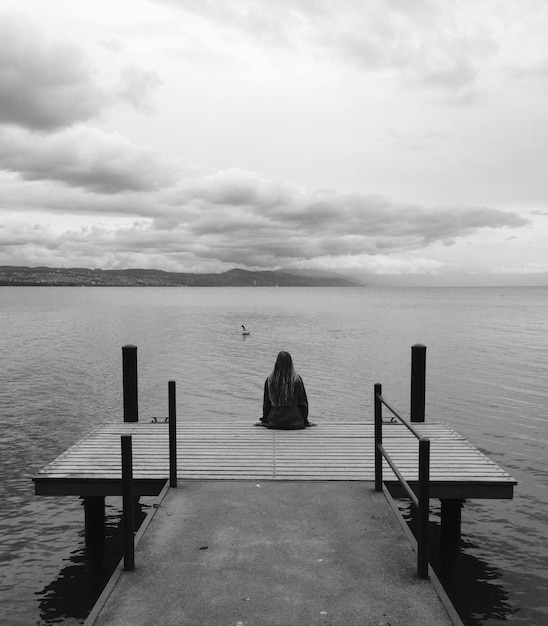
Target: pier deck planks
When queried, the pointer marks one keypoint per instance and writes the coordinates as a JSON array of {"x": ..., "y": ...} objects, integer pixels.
[{"x": 237, "y": 450}]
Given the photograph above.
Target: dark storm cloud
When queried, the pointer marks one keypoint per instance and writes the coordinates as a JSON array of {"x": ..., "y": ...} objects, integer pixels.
[
  {"x": 105, "y": 163},
  {"x": 333, "y": 221},
  {"x": 46, "y": 85},
  {"x": 232, "y": 216},
  {"x": 239, "y": 217},
  {"x": 251, "y": 222},
  {"x": 43, "y": 85}
]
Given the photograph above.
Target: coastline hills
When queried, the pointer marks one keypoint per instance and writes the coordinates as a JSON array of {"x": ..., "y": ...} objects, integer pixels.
[{"x": 21, "y": 276}]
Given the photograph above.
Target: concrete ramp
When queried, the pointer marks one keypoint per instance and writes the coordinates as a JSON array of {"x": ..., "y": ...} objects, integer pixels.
[{"x": 251, "y": 553}]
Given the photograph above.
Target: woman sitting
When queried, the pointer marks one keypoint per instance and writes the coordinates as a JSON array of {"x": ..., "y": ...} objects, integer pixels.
[{"x": 285, "y": 404}]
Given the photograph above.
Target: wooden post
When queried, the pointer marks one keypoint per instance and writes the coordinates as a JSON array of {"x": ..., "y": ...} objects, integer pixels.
[
  {"x": 94, "y": 521},
  {"x": 451, "y": 515},
  {"x": 129, "y": 363},
  {"x": 418, "y": 382},
  {"x": 172, "y": 435},
  {"x": 128, "y": 503},
  {"x": 378, "y": 437},
  {"x": 424, "y": 508}
]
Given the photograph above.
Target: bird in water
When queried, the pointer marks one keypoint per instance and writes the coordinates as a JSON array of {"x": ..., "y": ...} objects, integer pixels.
[{"x": 245, "y": 331}]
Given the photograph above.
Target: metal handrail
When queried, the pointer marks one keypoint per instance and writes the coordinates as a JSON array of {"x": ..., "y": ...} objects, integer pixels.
[
  {"x": 398, "y": 416},
  {"x": 422, "y": 502},
  {"x": 399, "y": 476}
]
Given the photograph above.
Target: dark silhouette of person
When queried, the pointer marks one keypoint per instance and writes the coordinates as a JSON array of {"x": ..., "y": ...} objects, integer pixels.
[{"x": 285, "y": 405}]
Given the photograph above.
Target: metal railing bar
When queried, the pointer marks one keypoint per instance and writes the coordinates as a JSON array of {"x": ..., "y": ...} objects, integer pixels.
[
  {"x": 399, "y": 476},
  {"x": 390, "y": 407},
  {"x": 402, "y": 420},
  {"x": 422, "y": 502}
]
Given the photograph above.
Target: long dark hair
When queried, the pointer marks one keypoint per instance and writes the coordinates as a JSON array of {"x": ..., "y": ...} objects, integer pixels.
[{"x": 281, "y": 382}]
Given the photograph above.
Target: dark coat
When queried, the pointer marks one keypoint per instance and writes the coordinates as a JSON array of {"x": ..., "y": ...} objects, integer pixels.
[{"x": 286, "y": 417}]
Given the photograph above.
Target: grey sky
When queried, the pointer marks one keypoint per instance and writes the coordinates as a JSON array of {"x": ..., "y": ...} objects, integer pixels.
[{"x": 372, "y": 137}]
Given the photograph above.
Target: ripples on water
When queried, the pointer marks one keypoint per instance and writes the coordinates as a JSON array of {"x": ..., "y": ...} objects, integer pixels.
[{"x": 487, "y": 367}]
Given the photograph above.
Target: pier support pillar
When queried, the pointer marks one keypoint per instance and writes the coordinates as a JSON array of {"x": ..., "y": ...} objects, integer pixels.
[
  {"x": 94, "y": 520},
  {"x": 451, "y": 513}
]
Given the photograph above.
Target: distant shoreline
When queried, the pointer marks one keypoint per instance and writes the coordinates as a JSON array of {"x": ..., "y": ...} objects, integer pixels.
[
  {"x": 113, "y": 285},
  {"x": 14, "y": 276}
]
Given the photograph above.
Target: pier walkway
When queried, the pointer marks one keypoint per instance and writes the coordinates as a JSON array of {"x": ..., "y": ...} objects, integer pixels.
[
  {"x": 284, "y": 553},
  {"x": 273, "y": 527}
]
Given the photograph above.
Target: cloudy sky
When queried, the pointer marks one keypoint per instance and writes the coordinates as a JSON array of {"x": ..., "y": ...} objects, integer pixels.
[{"x": 377, "y": 137}]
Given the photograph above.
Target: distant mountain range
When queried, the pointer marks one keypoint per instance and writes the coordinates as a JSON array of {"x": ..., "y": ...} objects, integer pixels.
[{"x": 11, "y": 275}]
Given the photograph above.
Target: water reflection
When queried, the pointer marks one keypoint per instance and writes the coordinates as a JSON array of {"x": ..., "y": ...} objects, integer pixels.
[
  {"x": 69, "y": 598},
  {"x": 474, "y": 586}
]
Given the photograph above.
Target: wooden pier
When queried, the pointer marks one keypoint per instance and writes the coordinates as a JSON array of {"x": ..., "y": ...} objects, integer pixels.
[
  {"x": 343, "y": 451},
  {"x": 133, "y": 459},
  {"x": 238, "y": 450}
]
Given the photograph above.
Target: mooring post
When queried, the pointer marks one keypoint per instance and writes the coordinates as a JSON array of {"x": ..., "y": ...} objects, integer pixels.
[
  {"x": 378, "y": 437},
  {"x": 94, "y": 521},
  {"x": 172, "y": 435},
  {"x": 128, "y": 503},
  {"x": 129, "y": 363},
  {"x": 418, "y": 382}
]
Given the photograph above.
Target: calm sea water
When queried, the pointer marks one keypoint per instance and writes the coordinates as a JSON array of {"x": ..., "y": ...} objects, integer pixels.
[{"x": 61, "y": 376}]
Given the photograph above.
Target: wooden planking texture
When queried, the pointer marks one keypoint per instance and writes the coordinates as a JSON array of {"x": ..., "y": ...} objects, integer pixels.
[{"x": 238, "y": 450}]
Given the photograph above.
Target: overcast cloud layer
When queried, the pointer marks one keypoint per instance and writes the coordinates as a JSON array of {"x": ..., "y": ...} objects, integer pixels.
[{"x": 365, "y": 137}]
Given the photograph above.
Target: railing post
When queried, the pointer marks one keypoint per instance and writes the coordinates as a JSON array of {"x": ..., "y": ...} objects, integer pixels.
[
  {"x": 129, "y": 363},
  {"x": 418, "y": 382},
  {"x": 128, "y": 502},
  {"x": 424, "y": 508},
  {"x": 378, "y": 437},
  {"x": 172, "y": 435}
]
